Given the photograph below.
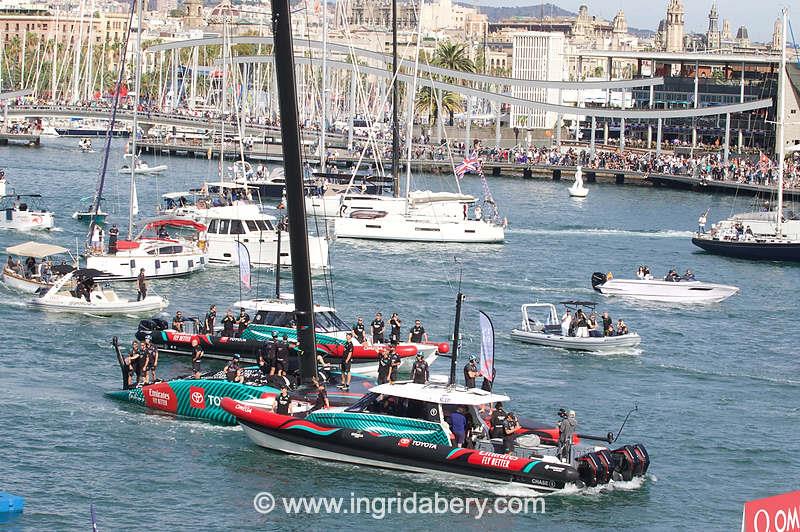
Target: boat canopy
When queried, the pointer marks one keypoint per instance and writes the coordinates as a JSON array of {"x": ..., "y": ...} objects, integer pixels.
[
  {"x": 427, "y": 196},
  {"x": 36, "y": 250},
  {"x": 173, "y": 222},
  {"x": 591, "y": 304},
  {"x": 177, "y": 195},
  {"x": 284, "y": 304},
  {"x": 437, "y": 393}
]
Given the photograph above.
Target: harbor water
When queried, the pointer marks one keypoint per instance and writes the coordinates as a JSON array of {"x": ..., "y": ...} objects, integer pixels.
[{"x": 716, "y": 386}]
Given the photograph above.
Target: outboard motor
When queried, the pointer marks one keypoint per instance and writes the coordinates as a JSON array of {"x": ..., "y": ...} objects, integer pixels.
[
  {"x": 598, "y": 278},
  {"x": 631, "y": 461},
  {"x": 596, "y": 468}
]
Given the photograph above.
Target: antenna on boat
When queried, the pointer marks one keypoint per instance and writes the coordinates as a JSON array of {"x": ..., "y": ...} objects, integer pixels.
[{"x": 456, "y": 331}]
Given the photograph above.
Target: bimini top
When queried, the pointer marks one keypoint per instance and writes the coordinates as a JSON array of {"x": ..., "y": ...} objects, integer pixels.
[
  {"x": 579, "y": 303},
  {"x": 36, "y": 250},
  {"x": 172, "y": 222},
  {"x": 438, "y": 393}
]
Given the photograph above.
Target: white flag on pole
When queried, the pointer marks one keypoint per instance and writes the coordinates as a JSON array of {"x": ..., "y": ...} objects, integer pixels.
[{"x": 487, "y": 346}]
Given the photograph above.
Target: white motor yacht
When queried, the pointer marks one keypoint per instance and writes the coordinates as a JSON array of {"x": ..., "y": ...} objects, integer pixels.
[
  {"x": 679, "y": 290},
  {"x": 25, "y": 212}
]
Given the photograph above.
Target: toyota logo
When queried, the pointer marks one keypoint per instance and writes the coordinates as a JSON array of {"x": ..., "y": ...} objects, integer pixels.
[{"x": 197, "y": 397}]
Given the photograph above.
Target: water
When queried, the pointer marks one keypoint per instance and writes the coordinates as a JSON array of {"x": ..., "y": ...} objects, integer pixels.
[{"x": 716, "y": 386}]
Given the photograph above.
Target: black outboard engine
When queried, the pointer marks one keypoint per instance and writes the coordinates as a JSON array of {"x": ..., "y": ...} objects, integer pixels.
[
  {"x": 153, "y": 324},
  {"x": 598, "y": 278},
  {"x": 596, "y": 468},
  {"x": 631, "y": 461}
]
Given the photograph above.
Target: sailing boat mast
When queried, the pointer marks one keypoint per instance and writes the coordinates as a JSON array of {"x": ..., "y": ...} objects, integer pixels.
[
  {"x": 395, "y": 103},
  {"x": 295, "y": 203},
  {"x": 322, "y": 147},
  {"x": 781, "y": 123},
  {"x": 137, "y": 86}
]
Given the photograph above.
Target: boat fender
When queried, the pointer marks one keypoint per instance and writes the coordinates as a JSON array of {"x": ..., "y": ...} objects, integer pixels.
[
  {"x": 598, "y": 278},
  {"x": 443, "y": 348}
]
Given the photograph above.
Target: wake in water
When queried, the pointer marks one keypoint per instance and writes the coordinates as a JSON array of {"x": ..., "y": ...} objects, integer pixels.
[{"x": 597, "y": 231}]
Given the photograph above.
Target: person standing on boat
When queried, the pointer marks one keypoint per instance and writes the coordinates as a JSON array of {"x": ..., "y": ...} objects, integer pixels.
[
  {"x": 497, "y": 422},
  {"x": 566, "y": 320},
  {"x": 347, "y": 360},
  {"x": 177, "y": 322},
  {"x": 322, "y": 399},
  {"x": 141, "y": 284},
  {"x": 283, "y": 403},
  {"x": 211, "y": 315},
  {"x": 420, "y": 372},
  {"x": 395, "y": 322},
  {"x": 95, "y": 238},
  {"x": 152, "y": 360},
  {"x": 378, "y": 327},
  {"x": 417, "y": 333},
  {"x": 227, "y": 324},
  {"x": 394, "y": 365},
  {"x": 701, "y": 222},
  {"x": 608, "y": 324},
  {"x": 384, "y": 366},
  {"x": 243, "y": 321},
  {"x": 458, "y": 426},
  {"x": 359, "y": 330},
  {"x": 471, "y": 372},
  {"x": 113, "y": 236},
  {"x": 622, "y": 329},
  {"x": 233, "y": 372},
  {"x": 510, "y": 427},
  {"x": 197, "y": 356},
  {"x": 566, "y": 430},
  {"x": 134, "y": 363},
  {"x": 282, "y": 357},
  {"x": 272, "y": 353}
]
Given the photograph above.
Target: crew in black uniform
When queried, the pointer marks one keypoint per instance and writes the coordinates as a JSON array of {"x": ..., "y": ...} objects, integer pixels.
[
  {"x": 211, "y": 316},
  {"x": 283, "y": 403},
  {"x": 322, "y": 399},
  {"x": 471, "y": 372},
  {"x": 282, "y": 357},
  {"x": 227, "y": 324},
  {"x": 197, "y": 356},
  {"x": 420, "y": 372},
  {"x": 177, "y": 322},
  {"x": 263, "y": 365},
  {"x": 395, "y": 363},
  {"x": 384, "y": 367},
  {"x": 417, "y": 333},
  {"x": 135, "y": 363},
  {"x": 497, "y": 422},
  {"x": 152, "y": 361},
  {"x": 510, "y": 427},
  {"x": 272, "y": 353},
  {"x": 347, "y": 360},
  {"x": 378, "y": 327},
  {"x": 394, "y": 334},
  {"x": 233, "y": 372},
  {"x": 359, "y": 330},
  {"x": 243, "y": 321},
  {"x": 113, "y": 237}
]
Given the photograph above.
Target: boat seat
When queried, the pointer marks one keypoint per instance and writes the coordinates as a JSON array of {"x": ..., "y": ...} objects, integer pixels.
[
  {"x": 553, "y": 329},
  {"x": 110, "y": 295}
]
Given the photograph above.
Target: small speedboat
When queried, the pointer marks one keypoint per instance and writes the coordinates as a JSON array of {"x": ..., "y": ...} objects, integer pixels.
[
  {"x": 89, "y": 216},
  {"x": 680, "y": 290},
  {"x": 577, "y": 190},
  {"x": 550, "y": 332},
  {"x": 78, "y": 292},
  {"x": 85, "y": 145},
  {"x": 141, "y": 167},
  {"x": 25, "y": 212}
]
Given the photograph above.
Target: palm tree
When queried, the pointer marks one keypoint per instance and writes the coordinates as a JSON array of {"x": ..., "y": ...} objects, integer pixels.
[
  {"x": 453, "y": 56},
  {"x": 426, "y": 102}
]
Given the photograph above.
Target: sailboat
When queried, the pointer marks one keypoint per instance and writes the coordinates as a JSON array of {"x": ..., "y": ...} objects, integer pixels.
[
  {"x": 421, "y": 217},
  {"x": 773, "y": 235},
  {"x": 158, "y": 255}
]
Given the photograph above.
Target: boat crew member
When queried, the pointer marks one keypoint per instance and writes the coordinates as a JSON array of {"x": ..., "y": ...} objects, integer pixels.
[
  {"x": 672, "y": 276},
  {"x": 282, "y": 357},
  {"x": 227, "y": 324},
  {"x": 95, "y": 238},
  {"x": 150, "y": 361},
  {"x": 141, "y": 284},
  {"x": 394, "y": 332},
  {"x": 322, "y": 399},
  {"x": 359, "y": 330},
  {"x": 510, "y": 427},
  {"x": 497, "y": 422},
  {"x": 471, "y": 372},
  {"x": 378, "y": 327},
  {"x": 478, "y": 213},
  {"x": 487, "y": 383},
  {"x": 347, "y": 360},
  {"x": 197, "y": 356},
  {"x": 566, "y": 429},
  {"x": 621, "y": 327},
  {"x": 701, "y": 222},
  {"x": 420, "y": 371},
  {"x": 283, "y": 403},
  {"x": 177, "y": 322},
  {"x": 384, "y": 366},
  {"x": 242, "y": 322},
  {"x": 263, "y": 365},
  {"x": 30, "y": 267},
  {"x": 593, "y": 327},
  {"x": 135, "y": 363},
  {"x": 211, "y": 315},
  {"x": 272, "y": 353},
  {"x": 233, "y": 372},
  {"x": 688, "y": 276},
  {"x": 608, "y": 324},
  {"x": 417, "y": 334},
  {"x": 113, "y": 236},
  {"x": 162, "y": 232},
  {"x": 394, "y": 366},
  {"x": 581, "y": 324},
  {"x": 566, "y": 320},
  {"x": 458, "y": 426}
]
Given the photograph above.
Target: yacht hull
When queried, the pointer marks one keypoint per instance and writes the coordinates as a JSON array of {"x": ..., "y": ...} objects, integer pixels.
[
  {"x": 665, "y": 291},
  {"x": 594, "y": 344},
  {"x": 780, "y": 251},
  {"x": 408, "y": 229}
]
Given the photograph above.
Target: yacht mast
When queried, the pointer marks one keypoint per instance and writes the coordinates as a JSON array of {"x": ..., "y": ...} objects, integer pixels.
[
  {"x": 395, "y": 103},
  {"x": 781, "y": 123},
  {"x": 137, "y": 84},
  {"x": 322, "y": 147},
  {"x": 295, "y": 203}
]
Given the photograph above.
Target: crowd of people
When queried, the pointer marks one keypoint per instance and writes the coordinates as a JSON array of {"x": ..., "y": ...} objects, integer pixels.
[{"x": 581, "y": 325}]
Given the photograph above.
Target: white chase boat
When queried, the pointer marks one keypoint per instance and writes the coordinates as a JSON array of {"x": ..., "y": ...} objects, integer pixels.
[
  {"x": 77, "y": 291},
  {"x": 140, "y": 167},
  {"x": 648, "y": 289},
  {"x": 25, "y": 212},
  {"x": 550, "y": 332},
  {"x": 18, "y": 277},
  {"x": 577, "y": 190},
  {"x": 160, "y": 255}
]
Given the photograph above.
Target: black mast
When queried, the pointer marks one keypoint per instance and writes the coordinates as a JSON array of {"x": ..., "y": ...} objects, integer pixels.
[
  {"x": 456, "y": 338},
  {"x": 395, "y": 104},
  {"x": 295, "y": 204}
]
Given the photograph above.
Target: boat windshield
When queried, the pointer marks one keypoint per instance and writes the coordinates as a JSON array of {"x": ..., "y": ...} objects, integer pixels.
[{"x": 388, "y": 405}]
